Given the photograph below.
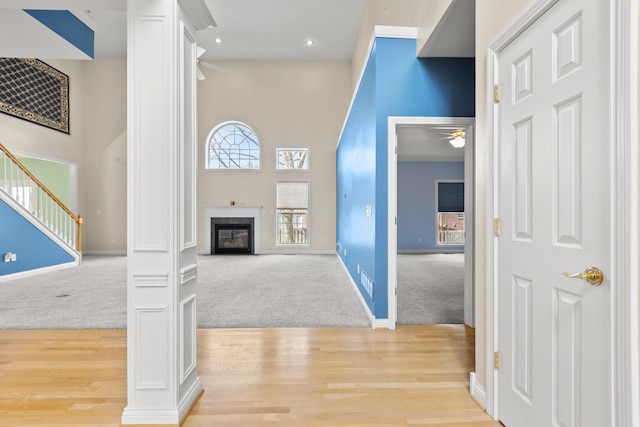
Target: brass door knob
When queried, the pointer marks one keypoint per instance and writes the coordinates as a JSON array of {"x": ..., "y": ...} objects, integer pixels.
[{"x": 592, "y": 275}]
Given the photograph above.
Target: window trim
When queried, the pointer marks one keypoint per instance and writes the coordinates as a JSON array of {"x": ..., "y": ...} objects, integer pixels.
[
  {"x": 308, "y": 160},
  {"x": 436, "y": 212},
  {"x": 308, "y": 233},
  {"x": 207, "y": 144}
]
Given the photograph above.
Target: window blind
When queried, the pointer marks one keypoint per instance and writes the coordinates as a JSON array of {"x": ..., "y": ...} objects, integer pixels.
[
  {"x": 292, "y": 195},
  {"x": 451, "y": 197}
]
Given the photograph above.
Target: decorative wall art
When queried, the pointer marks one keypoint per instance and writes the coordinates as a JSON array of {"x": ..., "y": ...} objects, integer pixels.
[{"x": 34, "y": 91}]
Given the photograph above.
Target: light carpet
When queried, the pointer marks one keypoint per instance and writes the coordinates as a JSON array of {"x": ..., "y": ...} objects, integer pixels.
[
  {"x": 238, "y": 291},
  {"x": 430, "y": 289},
  {"x": 265, "y": 291}
]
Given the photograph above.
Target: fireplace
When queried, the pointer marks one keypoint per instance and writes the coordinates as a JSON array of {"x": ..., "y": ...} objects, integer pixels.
[{"x": 232, "y": 236}]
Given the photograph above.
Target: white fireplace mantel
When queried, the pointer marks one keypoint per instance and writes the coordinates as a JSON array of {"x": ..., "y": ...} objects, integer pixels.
[{"x": 235, "y": 211}]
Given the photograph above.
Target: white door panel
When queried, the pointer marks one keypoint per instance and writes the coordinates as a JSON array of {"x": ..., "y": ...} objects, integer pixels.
[{"x": 554, "y": 205}]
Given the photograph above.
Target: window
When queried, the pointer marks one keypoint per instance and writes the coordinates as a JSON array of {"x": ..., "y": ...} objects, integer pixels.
[
  {"x": 292, "y": 158},
  {"x": 233, "y": 145},
  {"x": 292, "y": 205},
  {"x": 450, "y": 213}
]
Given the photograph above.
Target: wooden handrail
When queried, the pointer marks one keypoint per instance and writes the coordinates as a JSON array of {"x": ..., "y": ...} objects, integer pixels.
[{"x": 76, "y": 218}]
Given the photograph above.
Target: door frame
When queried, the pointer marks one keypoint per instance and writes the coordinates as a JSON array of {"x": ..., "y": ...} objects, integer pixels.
[
  {"x": 392, "y": 237},
  {"x": 625, "y": 188}
]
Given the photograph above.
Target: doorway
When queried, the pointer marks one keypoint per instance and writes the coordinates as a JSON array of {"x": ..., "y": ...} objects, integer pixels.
[{"x": 435, "y": 126}]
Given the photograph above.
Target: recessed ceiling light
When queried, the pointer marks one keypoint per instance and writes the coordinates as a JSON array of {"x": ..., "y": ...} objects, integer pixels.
[
  {"x": 218, "y": 40},
  {"x": 309, "y": 42}
]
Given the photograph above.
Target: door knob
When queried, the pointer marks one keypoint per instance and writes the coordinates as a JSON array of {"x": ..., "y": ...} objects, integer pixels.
[{"x": 592, "y": 275}]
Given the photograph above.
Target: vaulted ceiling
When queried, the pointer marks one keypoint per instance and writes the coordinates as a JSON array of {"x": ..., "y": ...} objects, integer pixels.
[{"x": 247, "y": 30}]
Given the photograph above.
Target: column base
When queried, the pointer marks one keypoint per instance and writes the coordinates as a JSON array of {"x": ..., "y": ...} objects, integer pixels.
[{"x": 168, "y": 417}]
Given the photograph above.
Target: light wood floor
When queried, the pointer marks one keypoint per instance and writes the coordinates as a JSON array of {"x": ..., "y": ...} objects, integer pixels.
[{"x": 415, "y": 375}]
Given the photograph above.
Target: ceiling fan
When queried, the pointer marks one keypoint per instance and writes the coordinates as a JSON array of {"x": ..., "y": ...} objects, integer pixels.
[
  {"x": 455, "y": 137},
  {"x": 199, "y": 52}
]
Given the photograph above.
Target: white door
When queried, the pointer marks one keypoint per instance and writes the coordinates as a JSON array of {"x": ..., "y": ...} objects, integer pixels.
[{"x": 554, "y": 199}]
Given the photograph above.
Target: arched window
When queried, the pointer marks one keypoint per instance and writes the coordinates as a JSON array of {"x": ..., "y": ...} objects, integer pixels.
[{"x": 233, "y": 145}]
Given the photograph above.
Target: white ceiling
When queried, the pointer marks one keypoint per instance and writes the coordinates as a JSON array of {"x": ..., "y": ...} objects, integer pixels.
[
  {"x": 270, "y": 30},
  {"x": 257, "y": 30},
  {"x": 278, "y": 29},
  {"x": 427, "y": 143}
]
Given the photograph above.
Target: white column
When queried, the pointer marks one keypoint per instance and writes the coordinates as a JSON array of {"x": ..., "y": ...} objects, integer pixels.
[{"x": 163, "y": 380}]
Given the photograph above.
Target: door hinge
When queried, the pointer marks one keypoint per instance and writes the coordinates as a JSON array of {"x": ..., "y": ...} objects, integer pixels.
[
  {"x": 496, "y": 93},
  {"x": 396, "y": 150},
  {"x": 496, "y": 360},
  {"x": 496, "y": 226}
]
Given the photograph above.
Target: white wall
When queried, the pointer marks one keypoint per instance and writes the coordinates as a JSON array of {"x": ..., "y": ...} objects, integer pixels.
[
  {"x": 103, "y": 170},
  {"x": 287, "y": 104}
]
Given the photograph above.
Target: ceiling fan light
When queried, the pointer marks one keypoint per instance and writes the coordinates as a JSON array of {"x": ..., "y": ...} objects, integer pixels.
[{"x": 457, "y": 142}]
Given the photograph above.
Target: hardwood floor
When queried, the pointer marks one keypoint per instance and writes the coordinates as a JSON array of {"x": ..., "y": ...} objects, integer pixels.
[{"x": 415, "y": 375}]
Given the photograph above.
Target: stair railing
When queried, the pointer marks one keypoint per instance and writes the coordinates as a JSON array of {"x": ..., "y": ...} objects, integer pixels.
[{"x": 21, "y": 185}]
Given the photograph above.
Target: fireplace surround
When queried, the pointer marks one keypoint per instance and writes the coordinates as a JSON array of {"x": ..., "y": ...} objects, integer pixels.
[
  {"x": 232, "y": 236},
  {"x": 232, "y": 211}
]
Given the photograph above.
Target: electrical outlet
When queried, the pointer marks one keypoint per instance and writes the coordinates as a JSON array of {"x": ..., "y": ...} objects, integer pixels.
[{"x": 10, "y": 257}]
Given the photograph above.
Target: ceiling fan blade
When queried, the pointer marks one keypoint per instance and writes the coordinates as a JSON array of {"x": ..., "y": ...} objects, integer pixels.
[
  {"x": 213, "y": 66},
  {"x": 445, "y": 138},
  {"x": 454, "y": 133},
  {"x": 448, "y": 135},
  {"x": 200, "y": 51},
  {"x": 200, "y": 74}
]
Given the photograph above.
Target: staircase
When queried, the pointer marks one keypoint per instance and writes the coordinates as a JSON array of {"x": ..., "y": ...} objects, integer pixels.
[{"x": 43, "y": 216}]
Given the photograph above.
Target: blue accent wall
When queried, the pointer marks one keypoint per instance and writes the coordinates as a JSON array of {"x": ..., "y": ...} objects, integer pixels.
[
  {"x": 417, "y": 203},
  {"x": 32, "y": 247},
  {"x": 355, "y": 166},
  {"x": 67, "y": 26},
  {"x": 394, "y": 83}
]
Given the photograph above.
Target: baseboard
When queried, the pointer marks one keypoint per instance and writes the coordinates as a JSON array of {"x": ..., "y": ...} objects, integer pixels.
[
  {"x": 37, "y": 271},
  {"x": 190, "y": 399},
  {"x": 477, "y": 391},
  {"x": 276, "y": 252},
  {"x": 429, "y": 251},
  {"x": 382, "y": 324},
  {"x": 168, "y": 417},
  {"x": 299, "y": 252},
  {"x": 105, "y": 253},
  {"x": 363, "y": 303}
]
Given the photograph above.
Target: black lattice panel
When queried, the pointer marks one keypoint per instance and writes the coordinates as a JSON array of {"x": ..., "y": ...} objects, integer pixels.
[{"x": 34, "y": 91}]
